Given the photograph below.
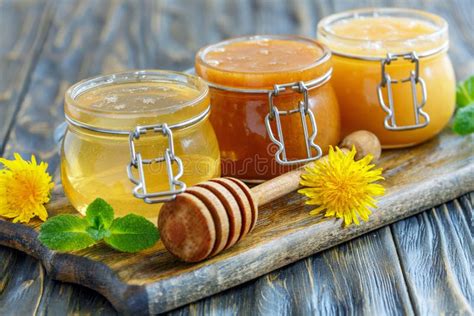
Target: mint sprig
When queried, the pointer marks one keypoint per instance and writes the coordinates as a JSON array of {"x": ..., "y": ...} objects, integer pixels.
[
  {"x": 65, "y": 233},
  {"x": 99, "y": 215},
  {"x": 464, "y": 118},
  {"x": 131, "y": 233},
  {"x": 465, "y": 92}
]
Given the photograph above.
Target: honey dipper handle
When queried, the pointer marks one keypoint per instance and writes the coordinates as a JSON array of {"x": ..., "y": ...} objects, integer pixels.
[
  {"x": 277, "y": 187},
  {"x": 364, "y": 142}
]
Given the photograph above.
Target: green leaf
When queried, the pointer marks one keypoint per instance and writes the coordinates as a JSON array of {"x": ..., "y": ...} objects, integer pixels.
[
  {"x": 98, "y": 233},
  {"x": 100, "y": 214},
  {"x": 132, "y": 233},
  {"x": 65, "y": 233},
  {"x": 465, "y": 92},
  {"x": 464, "y": 120}
]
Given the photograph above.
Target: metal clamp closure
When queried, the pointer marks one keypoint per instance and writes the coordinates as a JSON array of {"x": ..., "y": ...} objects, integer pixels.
[
  {"x": 274, "y": 114},
  {"x": 303, "y": 110},
  {"x": 137, "y": 162},
  {"x": 414, "y": 79}
]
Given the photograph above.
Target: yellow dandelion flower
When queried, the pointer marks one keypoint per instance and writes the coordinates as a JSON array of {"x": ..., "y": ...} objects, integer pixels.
[
  {"x": 24, "y": 189},
  {"x": 342, "y": 187}
]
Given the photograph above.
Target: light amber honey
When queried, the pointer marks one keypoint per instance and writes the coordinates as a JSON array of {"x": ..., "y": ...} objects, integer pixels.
[{"x": 93, "y": 164}]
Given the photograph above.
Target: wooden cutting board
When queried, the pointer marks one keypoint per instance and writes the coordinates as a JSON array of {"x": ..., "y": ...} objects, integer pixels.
[{"x": 153, "y": 281}]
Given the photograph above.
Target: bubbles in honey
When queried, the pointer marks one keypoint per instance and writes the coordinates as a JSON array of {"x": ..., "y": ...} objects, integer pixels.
[
  {"x": 262, "y": 42},
  {"x": 263, "y": 54},
  {"x": 382, "y": 28},
  {"x": 149, "y": 100},
  {"x": 111, "y": 99},
  {"x": 120, "y": 107},
  {"x": 136, "y": 97},
  {"x": 213, "y": 62},
  {"x": 133, "y": 90}
]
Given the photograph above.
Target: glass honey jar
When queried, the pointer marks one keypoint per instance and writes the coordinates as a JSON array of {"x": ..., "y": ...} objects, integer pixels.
[
  {"x": 273, "y": 106},
  {"x": 392, "y": 74},
  {"x": 135, "y": 139}
]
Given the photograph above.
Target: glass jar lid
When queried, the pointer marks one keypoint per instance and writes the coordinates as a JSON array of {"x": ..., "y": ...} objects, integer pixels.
[
  {"x": 376, "y": 32},
  {"x": 126, "y": 100}
]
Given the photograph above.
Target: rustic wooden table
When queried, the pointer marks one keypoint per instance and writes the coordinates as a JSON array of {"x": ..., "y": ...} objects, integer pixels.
[{"x": 422, "y": 265}]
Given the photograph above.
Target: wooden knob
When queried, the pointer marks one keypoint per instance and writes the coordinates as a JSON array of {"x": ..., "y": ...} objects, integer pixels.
[
  {"x": 226, "y": 201},
  {"x": 219, "y": 216},
  {"x": 216, "y": 214},
  {"x": 187, "y": 228}
]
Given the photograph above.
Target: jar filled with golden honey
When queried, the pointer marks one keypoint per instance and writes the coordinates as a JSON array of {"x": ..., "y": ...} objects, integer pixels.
[
  {"x": 137, "y": 137},
  {"x": 392, "y": 74},
  {"x": 273, "y": 107}
]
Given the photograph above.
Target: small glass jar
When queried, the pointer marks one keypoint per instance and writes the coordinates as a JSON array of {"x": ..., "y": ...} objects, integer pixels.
[
  {"x": 392, "y": 74},
  {"x": 273, "y": 107},
  {"x": 137, "y": 137}
]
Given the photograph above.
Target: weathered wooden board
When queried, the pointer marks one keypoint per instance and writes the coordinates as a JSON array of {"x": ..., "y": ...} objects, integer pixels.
[
  {"x": 153, "y": 281},
  {"x": 310, "y": 286}
]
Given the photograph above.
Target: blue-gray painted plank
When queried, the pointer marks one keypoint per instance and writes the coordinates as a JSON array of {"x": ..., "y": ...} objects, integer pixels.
[{"x": 436, "y": 251}]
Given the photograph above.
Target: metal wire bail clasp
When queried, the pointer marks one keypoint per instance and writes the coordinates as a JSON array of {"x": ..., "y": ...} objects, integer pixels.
[
  {"x": 414, "y": 79},
  {"x": 140, "y": 190},
  {"x": 304, "y": 111}
]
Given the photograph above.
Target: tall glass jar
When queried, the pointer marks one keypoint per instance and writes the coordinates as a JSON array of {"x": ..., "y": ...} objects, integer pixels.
[
  {"x": 273, "y": 106},
  {"x": 137, "y": 137},
  {"x": 392, "y": 74}
]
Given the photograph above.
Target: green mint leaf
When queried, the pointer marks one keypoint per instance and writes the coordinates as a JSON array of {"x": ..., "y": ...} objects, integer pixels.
[
  {"x": 132, "y": 233},
  {"x": 98, "y": 233},
  {"x": 65, "y": 233},
  {"x": 465, "y": 92},
  {"x": 464, "y": 120},
  {"x": 100, "y": 214}
]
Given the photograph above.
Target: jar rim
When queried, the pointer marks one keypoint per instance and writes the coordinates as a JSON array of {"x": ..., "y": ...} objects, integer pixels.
[
  {"x": 324, "y": 27},
  {"x": 201, "y": 54},
  {"x": 136, "y": 76}
]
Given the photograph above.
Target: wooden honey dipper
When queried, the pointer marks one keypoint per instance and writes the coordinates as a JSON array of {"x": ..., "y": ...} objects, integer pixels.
[{"x": 213, "y": 215}]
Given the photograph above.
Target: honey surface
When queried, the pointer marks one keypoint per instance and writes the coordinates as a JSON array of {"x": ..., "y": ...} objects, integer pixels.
[
  {"x": 382, "y": 28},
  {"x": 137, "y": 97},
  {"x": 261, "y": 62},
  {"x": 381, "y": 35},
  {"x": 263, "y": 55}
]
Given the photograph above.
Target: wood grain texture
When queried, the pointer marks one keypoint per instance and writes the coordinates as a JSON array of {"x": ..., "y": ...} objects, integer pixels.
[
  {"x": 164, "y": 34},
  {"x": 440, "y": 243},
  {"x": 33, "y": 292},
  {"x": 380, "y": 291},
  {"x": 64, "y": 60},
  {"x": 313, "y": 286},
  {"x": 416, "y": 178},
  {"x": 23, "y": 28},
  {"x": 336, "y": 281},
  {"x": 25, "y": 287}
]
